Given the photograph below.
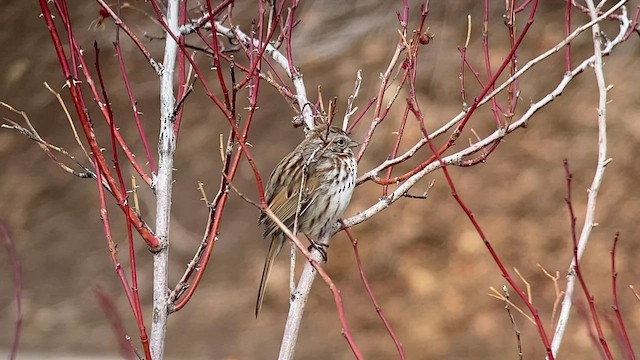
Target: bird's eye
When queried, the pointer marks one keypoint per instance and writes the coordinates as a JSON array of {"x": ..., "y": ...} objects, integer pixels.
[{"x": 341, "y": 142}]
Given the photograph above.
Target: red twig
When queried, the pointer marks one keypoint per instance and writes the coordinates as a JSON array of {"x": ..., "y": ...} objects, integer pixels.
[
  {"x": 119, "y": 23},
  {"x": 282, "y": 88},
  {"x": 216, "y": 59},
  {"x": 482, "y": 158},
  {"x": 616, "y": 306},
  {"x": 202, "y": 21},
  {"x": 287, "y": 38},
  {"x": 346, "y": 332},
  {"x": 403, "y": 43},
  {"x": 113, "y": 251},
  {"x": 134, "y": 108},
  {"x": 135, "y": 298},
  {"x": 182, "y": 75},
  {"x": 255, "y": 65},
  {"x": 523, "y": 6},
  {"x": 105, "y": 108},
  {"x": 216, "y": 207},
  {"x": 494, "y": 78},
  {"x": 476, "y": 75},
  {"x": 567, "y": 31},
  {"x": 79, "y": 104},
  {"x": 415, "y": 109},
  {"x": 458, "y": 130},
  {"x": 463, "y": 60},
  {"x": 634, "y": 24},
  {"x": 227, "y": 114},
  {"x": 365, "y": 281},
  {"x": 487, "y": 60},
  {"x": 394, "y": 152},
  {"x": 384, "y": 81},
  {"x": 15, "y": 268},
  {"x": 512, "y": 92},
  {"x": 361, "y": 115},
  {"x": 485, "y": 240},
  {"x": 578, "y": 272}
]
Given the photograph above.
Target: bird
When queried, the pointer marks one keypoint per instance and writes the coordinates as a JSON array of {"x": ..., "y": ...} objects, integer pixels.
[{"x": 314, "y": 181}]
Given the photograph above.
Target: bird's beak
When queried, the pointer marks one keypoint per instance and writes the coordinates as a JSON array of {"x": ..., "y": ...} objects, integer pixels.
[{"x": 353, "y": 143}]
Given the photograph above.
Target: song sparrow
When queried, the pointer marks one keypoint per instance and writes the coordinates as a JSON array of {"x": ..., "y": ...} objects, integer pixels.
[{"x": 324, "y": 169}]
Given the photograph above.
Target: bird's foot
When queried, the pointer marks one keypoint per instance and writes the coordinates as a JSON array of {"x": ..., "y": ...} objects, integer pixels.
[{"x": 321, "y": 248}]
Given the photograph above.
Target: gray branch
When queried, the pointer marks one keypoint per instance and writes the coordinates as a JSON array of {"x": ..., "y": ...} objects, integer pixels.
[
  {"x": 592, "y": 193},
  {"x": 163, "y": 187}
]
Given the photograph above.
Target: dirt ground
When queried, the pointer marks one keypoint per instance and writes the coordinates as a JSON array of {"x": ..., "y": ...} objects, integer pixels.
[{"x": 426, "y": 264}]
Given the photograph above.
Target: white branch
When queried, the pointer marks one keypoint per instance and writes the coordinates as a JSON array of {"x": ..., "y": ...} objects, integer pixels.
[
  {"x": 456, "y": 159},
  {"x": 350, "y": 109},
  {"x": 296, "y": 305},
  {"x": 300, "y": 295},
  {"x": 456, "y": 119},
  {"x": 162, "y": 184},
  {"x": 592, "y": 196},
  {"x": 278, "y": 57}
]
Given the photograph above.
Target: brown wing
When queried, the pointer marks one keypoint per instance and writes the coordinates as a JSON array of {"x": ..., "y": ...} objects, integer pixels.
[{"x": 283, "y": 191}]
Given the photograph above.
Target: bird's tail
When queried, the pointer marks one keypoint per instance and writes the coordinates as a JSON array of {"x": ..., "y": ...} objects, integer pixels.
[{"x": 274, "y": 248}]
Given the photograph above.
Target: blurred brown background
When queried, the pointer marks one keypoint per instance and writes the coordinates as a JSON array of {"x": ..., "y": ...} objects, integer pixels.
[{"x": 427, "y": 266}]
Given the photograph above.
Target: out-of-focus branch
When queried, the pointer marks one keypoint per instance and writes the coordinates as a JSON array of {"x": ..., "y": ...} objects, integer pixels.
[
  {"x": 15, "y": 269},
  {"x": 127, "y": 350}
]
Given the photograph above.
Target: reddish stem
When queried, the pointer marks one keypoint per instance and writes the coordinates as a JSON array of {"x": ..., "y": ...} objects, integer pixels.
[
  {"x": 512, "y": 93},
  {"x": 227, "y": 114},
  {"x": 458, "y": 130},
  {"x": 119, "y": 23},
  {"x": 287, "y": 38},
  {"x": 634, "y": 25},
  {"x": 415, "y": 109},
  {"x": 394, "y": 152},
  {"x": 79, "y": 104},
  {"x": 263, "y": 48},
  {"x": 205, "y": 19},
  {"x": 135, "y": 305},
  {"x": 113, "y": 251},
  {"x": 616, "y": 307},
  {"x": 134, "y": 108},
  {"x": 216, "y": 58},
  {"x": 182, "y": 74},
  {"x": 361, "y": 115},
  {"x": 365, "y": 281},
  {"x": 567, "y": 32},
  {"x": 217, "y": 206},
  {"x": 463, "y": 60},
  {"x": 487, "y": 61}
]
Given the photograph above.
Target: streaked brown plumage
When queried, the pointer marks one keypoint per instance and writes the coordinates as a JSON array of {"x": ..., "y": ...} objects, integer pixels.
[{"x": 324, "y": 160}]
